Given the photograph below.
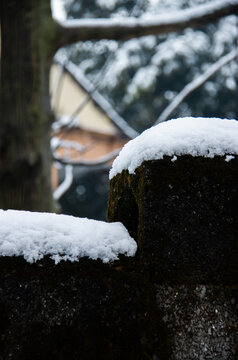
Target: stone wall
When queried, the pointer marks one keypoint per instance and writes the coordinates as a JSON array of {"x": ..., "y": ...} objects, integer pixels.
[
  {"x": 81, "y": 310},
  {"x": 175, "y": 300}
]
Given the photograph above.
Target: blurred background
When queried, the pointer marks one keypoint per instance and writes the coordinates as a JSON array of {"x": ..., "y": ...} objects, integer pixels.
[{"x": 106, "y": 92}]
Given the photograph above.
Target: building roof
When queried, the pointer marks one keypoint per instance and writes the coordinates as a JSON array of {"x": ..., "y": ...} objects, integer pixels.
[{"x": 75, "y": 72}]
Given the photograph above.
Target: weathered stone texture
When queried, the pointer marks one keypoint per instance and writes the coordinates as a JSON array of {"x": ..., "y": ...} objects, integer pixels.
[
  {"x": 201, "y": 320},
  {"x": 184, "y": 216},
  {"x": 187, "y": 222},
  {"x": 84, "y": 310}
]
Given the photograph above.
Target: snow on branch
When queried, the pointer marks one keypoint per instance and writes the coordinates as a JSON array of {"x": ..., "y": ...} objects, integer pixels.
[
  {"x": 56, "y": 143},
  {"x": 83, "y": 162},
  {"x": 71, "y": 31},
  {"x": 65, "y": 185},
  {"x": 195, "y": 84},
  {"x": 95, "y": 96}
]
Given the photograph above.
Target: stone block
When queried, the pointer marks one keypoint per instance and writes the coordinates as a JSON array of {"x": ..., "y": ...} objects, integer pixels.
[
  {"x": 184, "y": 216},
  {"x": 82, "y": 310}
]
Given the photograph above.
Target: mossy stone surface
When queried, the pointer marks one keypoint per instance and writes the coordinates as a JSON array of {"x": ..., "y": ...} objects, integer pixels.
[{"x": 184, "y": 216}]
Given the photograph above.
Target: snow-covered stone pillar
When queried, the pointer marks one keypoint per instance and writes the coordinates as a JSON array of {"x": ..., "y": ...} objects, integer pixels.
[{"x": 175, "y": 188}]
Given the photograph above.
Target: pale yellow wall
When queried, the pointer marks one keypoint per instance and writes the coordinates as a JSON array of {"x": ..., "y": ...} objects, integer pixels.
[{"x": 69, "y": 96}]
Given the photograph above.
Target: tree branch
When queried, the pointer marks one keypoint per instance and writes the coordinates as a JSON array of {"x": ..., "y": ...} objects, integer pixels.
[
  {"x": 195, "y": 84},
  {"x": 65, "y": 185},
  {"x": 71, "y": 31},
  {"x": 68, "y": 144},
  {"x": 100, "y": 161}
]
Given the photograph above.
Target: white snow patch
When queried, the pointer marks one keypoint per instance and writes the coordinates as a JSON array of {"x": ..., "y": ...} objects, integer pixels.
[
  {"x": 34, "y": 235},
  {"x": 144, "y": 79},
  {"x": 58, "y": 11},
  {"x": 230, "y": 83},
  {"x": 229, "y": 158},
  {"x": 225, "y": 35},
  {"x": 195, "y": 136},
  {"x": 107, "y": 4},
  {"x": 174, "y": 158},
  {"x": 186, "y": 46}
]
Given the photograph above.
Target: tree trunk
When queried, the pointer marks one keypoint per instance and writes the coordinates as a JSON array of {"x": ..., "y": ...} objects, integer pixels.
[
  {"x": 29, "y": 37},
  {"x": 27, "y": 33}
]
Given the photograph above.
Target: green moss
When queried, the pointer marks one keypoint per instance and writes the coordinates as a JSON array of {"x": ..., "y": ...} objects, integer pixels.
[{"x": 122, "y": 203}]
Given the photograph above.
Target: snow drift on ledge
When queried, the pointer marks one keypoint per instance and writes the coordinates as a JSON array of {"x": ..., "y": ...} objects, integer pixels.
[
  {"x": 195, "y": 136},
  {"x": 34, "y": 235}
]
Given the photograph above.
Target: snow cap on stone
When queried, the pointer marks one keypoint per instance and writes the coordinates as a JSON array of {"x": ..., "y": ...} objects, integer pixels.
[
  {"x": 206, "y": 137},
  {"x": 34, "y": 235}
]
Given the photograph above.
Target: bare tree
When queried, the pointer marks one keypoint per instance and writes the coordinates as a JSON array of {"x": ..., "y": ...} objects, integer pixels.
[{"x": 29, "y": 39}]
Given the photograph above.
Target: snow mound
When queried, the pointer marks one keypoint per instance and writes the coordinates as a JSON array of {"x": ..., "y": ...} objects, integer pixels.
[
  {"x": 194, "y": 136},
  {"x": 34, "y": 235}
]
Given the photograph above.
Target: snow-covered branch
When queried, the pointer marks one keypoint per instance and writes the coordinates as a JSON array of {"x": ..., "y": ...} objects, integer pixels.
[
  {"x": 65, "y": 185},
  {"x": 56, "y": 143},
  {"x": 71, "y": 31},
  {"x": 195, "y": 84},
  {"x": 83, "y": 162}
]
